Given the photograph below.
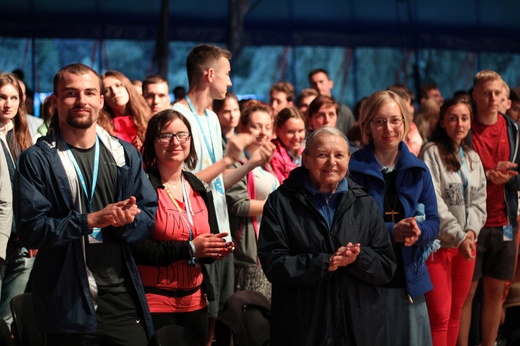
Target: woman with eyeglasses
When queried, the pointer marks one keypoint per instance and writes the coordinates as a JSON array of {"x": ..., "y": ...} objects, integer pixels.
[
  {"x": 186, "y": 233},
  {"x": 403, "y": 187}
]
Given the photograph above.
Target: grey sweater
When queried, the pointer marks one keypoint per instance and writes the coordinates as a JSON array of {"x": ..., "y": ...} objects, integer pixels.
[{"x": 457, "y": 216}]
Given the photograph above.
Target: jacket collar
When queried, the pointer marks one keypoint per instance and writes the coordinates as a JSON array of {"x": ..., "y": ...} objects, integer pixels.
[
  {"x": 113, "y": 145},
  {"x": 364, "y": 160},
  {"x": 296, "y": 179}
]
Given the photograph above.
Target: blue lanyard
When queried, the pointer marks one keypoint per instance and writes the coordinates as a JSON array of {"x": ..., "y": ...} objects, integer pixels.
[
  {"x": 208, "y": 146},
  {"x": 465, "y": 182},
  {"x": 95, "y": 173}
]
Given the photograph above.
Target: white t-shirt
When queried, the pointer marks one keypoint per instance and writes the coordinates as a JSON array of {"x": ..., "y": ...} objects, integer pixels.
[
  {"x": 207, "y": 138},
  {"x": 265, "y": 183}
]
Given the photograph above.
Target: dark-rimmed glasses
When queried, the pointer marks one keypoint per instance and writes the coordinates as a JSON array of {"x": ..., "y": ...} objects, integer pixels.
[{"x": 167, "y": 137}]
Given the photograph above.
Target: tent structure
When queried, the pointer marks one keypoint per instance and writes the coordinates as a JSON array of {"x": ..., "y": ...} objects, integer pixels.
[
  {"x": 478, "y": 25},
  {"x": 473, "y": 27}
]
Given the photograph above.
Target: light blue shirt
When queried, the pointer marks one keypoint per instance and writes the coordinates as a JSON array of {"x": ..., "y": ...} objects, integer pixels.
[{"x": 326, "y": 203}]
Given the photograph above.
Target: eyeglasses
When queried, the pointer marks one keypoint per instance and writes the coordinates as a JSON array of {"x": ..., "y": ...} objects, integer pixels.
[
  {"x": 394, "y": 122},
  {"x": 167, "y": 138}
]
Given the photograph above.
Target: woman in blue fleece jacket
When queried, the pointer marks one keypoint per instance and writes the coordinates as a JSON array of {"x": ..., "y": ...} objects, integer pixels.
[{"x": 403, "y": 188}]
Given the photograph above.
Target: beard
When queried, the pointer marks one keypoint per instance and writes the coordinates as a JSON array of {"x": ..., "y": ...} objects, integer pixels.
[{"x": 83, "y": 122}]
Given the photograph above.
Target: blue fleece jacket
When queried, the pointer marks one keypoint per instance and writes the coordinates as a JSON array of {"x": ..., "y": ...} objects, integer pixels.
[{"x": 415, "y": 188}]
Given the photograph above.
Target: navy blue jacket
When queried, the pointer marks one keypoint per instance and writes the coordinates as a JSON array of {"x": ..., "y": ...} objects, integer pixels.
[
  {"x": 47, "y": 220},
  {"x": 414, "y": 185},
  {"x": 310, "y": 304}
]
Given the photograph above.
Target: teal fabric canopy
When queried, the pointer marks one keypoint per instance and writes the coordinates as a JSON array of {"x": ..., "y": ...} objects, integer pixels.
[{"x": 478, "y": 25}]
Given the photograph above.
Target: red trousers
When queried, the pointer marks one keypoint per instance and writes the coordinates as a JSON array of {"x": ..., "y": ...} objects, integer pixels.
[{"x": 451, "y": 276}]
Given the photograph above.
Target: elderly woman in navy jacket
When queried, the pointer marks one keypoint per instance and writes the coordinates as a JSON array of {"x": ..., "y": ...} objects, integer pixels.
[
  {"x": 324, "y": 247},
  {"x": 403, "y": 188}
]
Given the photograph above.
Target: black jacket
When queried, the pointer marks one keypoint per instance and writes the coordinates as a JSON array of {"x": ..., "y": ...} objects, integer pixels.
[{"x": 310, "y": 305}]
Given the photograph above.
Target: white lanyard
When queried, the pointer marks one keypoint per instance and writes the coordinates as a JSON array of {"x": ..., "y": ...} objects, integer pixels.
[{"x": 189, "y": 210}]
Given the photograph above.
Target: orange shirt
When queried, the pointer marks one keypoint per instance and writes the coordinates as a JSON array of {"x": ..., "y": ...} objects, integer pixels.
[{"x": 170, "y": 225}]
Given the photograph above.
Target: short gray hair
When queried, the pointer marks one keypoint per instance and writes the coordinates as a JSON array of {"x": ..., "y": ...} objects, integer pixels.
[{"x": 313, "y": 137}]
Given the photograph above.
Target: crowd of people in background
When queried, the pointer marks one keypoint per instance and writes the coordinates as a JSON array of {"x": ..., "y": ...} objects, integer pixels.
[{"x": 123, "y": 211}]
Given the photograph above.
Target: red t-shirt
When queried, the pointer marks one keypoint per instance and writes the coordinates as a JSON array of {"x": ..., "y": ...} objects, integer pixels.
[
  {"x": 491, "y": 142},
  {"x": 171, "y": 225}
]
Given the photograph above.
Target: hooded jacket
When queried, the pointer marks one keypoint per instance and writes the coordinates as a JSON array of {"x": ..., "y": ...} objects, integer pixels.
[
  {"x": 414, "y": 185},
  {"x": 48, "y": 220},
  {"x": 310, "y": 304}
]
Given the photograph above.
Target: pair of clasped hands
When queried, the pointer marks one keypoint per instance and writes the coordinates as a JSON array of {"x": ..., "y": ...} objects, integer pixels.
[
  {"x": 406, "y": 231},
  {"x": 124, "y": 212},
  {"x": 344, "y": 256},
  {"x": 502, "y": 172},
  {"x": 213, "y": 245}
]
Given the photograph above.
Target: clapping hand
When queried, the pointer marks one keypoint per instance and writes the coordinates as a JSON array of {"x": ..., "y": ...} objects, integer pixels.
[
  {"x": 407, "y": 231},
  {"x": 502, "y": 172},
  {"x": 115, "y": 214},
  {"x": 263, "y": 155},
  {"x": 212, "y": 245},
  {"x": 344, "y": 256}
]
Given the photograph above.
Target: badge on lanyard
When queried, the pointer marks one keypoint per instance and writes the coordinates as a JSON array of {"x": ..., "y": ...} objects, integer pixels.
[{"x": 508, "y": 232}]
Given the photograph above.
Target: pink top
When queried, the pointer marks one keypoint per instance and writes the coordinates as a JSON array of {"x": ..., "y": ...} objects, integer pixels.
[
  {"x": 124, "y": 128},
  {"x": 281, "y": 163}
]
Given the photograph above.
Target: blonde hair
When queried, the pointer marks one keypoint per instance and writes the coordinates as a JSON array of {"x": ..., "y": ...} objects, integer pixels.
[
  {"x": 485, "y": 75},
  {"x": 371, "y": 107}
]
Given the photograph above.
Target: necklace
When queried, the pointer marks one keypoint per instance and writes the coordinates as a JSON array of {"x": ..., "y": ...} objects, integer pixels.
[
  {"x": 187, "y": 204},
  {"x": 172, "y": 184},
  {"x": 391, "y": 198}
]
